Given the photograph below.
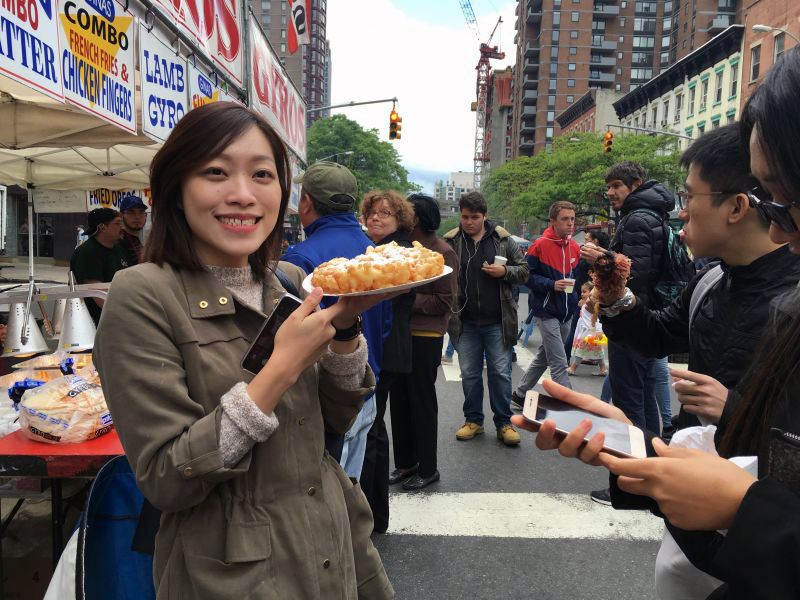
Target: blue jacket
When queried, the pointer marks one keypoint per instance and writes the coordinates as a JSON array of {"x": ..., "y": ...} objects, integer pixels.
[
  {"x": 338, "y": 235},
  {"x": 551, "y": 258}
]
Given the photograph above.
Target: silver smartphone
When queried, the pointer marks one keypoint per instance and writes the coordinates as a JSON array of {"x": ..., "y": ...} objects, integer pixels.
[
  {"x": 261, "y": 349},
  {"x": 626, "y": 441}
]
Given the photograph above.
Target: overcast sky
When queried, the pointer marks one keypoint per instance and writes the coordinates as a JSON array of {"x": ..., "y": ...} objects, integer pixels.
[{"x": 422, "y": 52}]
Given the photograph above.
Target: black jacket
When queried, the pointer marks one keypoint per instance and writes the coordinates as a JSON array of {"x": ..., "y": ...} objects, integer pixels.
[
  {"x": 640, "y": 237},
  {"x": 727, "y": 325},
  {"x": 759, "y": 558},
  {"x": 397, "y": 347}
]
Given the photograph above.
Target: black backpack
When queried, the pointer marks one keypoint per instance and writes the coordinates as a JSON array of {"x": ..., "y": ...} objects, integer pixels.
[{"x": 677, "y": 270}]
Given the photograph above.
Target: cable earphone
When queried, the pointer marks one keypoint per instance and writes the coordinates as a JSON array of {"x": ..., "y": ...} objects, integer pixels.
[{"x": 466, "y": 275}]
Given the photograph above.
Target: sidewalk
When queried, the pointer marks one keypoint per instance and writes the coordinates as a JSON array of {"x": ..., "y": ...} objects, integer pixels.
[{"x": 18, "y": 273}]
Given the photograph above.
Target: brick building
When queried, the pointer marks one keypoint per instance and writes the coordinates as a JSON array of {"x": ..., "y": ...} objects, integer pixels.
[
  {"x": 590, "y": 112},
  {"x": 566, "y": 47}
]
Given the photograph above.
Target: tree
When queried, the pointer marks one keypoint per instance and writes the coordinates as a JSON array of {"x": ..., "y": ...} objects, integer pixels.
[
  {"x": 522, "y": 190},
  {"x": 448, "y": 224},
  {"x": 374, "y": 162}
]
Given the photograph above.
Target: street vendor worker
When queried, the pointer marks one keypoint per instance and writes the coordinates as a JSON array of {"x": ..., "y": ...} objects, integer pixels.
[
  {"x": 101, "y": 255},
  {"x": 252, "y": 504}
]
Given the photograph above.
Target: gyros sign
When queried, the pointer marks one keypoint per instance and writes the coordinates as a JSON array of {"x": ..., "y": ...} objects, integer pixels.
[
  {"x": 216, "y": 25},
  {"x": 273, "y": 95}
]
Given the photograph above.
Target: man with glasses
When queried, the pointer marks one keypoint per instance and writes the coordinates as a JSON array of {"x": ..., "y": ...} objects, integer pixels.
[{"x": 719, "y": 316}]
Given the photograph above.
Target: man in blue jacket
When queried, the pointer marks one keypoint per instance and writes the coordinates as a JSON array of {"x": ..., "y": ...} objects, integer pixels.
[
  {"x": 327, "y": 200},
  {"x": 553, "y": 263}
]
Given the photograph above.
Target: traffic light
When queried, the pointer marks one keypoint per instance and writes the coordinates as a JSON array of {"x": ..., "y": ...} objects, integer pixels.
[
  {"x": 607, "y": 141},
  {"x": 395, "y": 125}
]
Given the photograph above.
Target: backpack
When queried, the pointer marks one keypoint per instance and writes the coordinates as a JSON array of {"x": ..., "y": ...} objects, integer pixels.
[
  {"x": 707, "y": 282},
  {"x": 678, "y": 268}
]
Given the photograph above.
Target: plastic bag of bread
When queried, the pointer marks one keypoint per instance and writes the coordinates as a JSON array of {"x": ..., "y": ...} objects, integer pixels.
[{"x": 65, "y": 410}]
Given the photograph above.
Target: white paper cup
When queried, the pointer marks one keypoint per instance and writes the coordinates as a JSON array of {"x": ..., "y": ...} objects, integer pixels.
[
  {"x": 500, "y": 260},
  {"x": 570, "y": 285}
]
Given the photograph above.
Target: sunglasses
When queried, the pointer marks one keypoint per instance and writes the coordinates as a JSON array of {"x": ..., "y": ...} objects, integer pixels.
[{"x": 772, "y": 211}]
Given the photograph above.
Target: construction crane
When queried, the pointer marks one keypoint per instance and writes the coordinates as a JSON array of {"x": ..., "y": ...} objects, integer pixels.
[{"x": 487, "y": 52}]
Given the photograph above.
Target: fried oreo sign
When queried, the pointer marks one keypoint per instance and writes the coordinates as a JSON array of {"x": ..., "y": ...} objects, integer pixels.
[
  {"x": 29, "y": 45},
  {"x": 97, "y": 62},
  {"x": 216, "y": 25}
]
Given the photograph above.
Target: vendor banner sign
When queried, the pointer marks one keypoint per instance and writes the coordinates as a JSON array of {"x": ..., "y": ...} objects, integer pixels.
[
  {"x": 273, "y": 95},
  {"x": 97, "y": 61},
  {"x": 216, "y": 25},
  {"x": 164, "y": 85},
  {"x": 103, "y": 198},
  {"x": 29, "y": 45},
  {"x": 203, "y": 91}
]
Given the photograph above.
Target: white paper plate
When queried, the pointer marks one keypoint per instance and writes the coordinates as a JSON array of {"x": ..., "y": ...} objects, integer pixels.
[{"x": 307, "y": 286}]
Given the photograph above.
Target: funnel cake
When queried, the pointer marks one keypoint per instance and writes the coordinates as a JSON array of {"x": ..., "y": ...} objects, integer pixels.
[{"x": 380, "y": 267}]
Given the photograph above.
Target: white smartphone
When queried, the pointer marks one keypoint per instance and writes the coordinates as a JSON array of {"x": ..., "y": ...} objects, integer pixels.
[{"x": 626, "y": 441}]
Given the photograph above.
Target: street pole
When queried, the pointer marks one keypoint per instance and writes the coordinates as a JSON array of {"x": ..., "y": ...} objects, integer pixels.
[
  {"x": 351, "y": 103},
  {"x": 646, "y": 130}
]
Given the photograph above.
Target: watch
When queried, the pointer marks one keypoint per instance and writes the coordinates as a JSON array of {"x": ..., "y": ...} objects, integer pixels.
[
  {"x": 625, "y": 303},
  {"x": 350, "y": 333}
]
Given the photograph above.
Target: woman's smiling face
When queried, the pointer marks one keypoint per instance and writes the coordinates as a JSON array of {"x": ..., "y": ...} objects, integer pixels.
[{"x": 231, "y": 202}]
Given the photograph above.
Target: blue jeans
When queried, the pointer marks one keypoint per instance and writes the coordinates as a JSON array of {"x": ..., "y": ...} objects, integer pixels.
[
  {"x": 450, "y": 349},
  {"x": 355, "y": 440},
  {"x": 659, "y": 374},
  {"x": 633, "y": 380},
  {"x": 605, "y": 394},
  {"x": 474, "y": 342}
]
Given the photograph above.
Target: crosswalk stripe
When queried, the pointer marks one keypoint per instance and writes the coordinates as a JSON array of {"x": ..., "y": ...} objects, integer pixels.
[{"x": 517, "y": 515}]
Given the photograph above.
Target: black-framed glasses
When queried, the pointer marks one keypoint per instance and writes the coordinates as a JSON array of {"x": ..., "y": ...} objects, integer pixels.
[
  {"x": 684, "y": 196},
  {"x": 772, "y": 211}
]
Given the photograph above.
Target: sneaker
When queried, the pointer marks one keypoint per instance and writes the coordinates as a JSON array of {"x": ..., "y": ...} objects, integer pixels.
[
  {"x": 468, "y": 431},
  {"x": 509, "y": 435},
  {"x": 601, "y": 496},
  {"x": 447, "y": 359},
  {"x": 517, "y": 402}
]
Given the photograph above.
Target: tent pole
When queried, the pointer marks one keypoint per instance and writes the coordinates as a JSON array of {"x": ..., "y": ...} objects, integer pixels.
[{"x": 29, "y": 177}]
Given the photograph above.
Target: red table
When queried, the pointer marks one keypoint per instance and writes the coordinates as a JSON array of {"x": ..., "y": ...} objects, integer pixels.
[{"x": 22, "y": 457}]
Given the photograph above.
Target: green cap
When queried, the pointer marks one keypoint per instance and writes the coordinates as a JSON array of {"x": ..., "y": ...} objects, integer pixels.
[{"x": 325, "y": 179}]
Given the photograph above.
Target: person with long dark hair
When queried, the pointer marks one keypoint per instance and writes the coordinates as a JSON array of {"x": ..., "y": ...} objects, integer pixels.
[
  {"x": 251, "y": 504},
  {"x": 699, "y": 492}
]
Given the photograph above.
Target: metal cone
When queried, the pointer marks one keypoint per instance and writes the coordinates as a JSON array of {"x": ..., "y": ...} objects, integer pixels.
[
  {"x": 35, "y": 340},
  {"x": 58, "y": 316},
  {"x": 77, "y": 329}
]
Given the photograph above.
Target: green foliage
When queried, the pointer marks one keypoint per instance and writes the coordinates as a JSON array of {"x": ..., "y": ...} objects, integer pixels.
[
  {"x": 522, "y": 190},
  {"x": 448, "y": 224},
  {"x": 374, "y": 162}
]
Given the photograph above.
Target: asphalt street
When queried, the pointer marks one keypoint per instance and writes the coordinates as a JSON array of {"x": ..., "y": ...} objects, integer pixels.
[{"x": 513, "y": 522}]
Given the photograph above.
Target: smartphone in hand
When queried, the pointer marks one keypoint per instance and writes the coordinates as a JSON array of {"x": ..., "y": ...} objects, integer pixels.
[
  {"x": 623, "y": 440},
  {"x": 261, "y": 349}
]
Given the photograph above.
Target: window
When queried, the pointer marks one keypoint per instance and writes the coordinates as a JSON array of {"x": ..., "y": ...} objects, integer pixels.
[
  {"x": 283, "y": 47},
  {"x": 665, "y": 41},
  {"x": 573, "y": 50},
  {"x": 678, "y": 106},
  {"x": 641, "y": 74},
  {"x": 598, "y": 26},
  {"x": 622, "y": 21},
  {"x": 734, "y": 80},
  {"x": 666, "y": 24},
  {"x": 755, "y": 62},
  {"x": 571, "y": 67},
  {"x": 645, "y": 6},
  {"x": 731, "y": 118},
  {"x": 664, "y": 58},
  {"x": 636, "y": 122},
  {"x": 621, "y": 39},
  {"x": 570, "y": 99},
  {"x": 552, "y": 85},
  {"x": 265, "y": 21},
  {"x": 551, "y": 115},
  {"x": 556, "y": 18},
  {"x": 570, "y": 83},
  {"x": 554, "y": 36},
  {"x": 715, "y": 124},
  {"x": 718, "y": 89},
  {"x": 554, "y": 53},
  {"x": 553, "y": 69},
  {"x": 619, "y": 70},
  {"x": 703, "y": 94},
  {"x": 641, "y": 58},
  {"x": 573, "y": 34},
  {"x": 642, "y": 25},
  {"x": 665, "y": 110},
  {"x": 692, "y": 94},
  {"x": 624, "y": 4},
  {"x": 283, "y": 34},
  {"x": 551, "y": 102},
  {"x": 265, "y": 5},
  {"x": 701, "y": 128},
  {"x": 548, "y": 133},
  {"x": 654, "y": 119},
  {"x": 619, "y": 55},
  {"x": 779, "y": 42},
  {"x": 640, "y": 41},
  {"x": 575, "y": 16},
  {"x": 618, "y": 87}
]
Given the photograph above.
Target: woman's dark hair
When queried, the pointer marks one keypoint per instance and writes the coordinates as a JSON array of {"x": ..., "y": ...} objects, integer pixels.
[
  {"x": 601, "y": 237},
  {"x": 427, "y": 211},
  {"x": 200, "y": 136},
  {"x": 774, "y": 109},
  {"x": 473, "y": 202}
]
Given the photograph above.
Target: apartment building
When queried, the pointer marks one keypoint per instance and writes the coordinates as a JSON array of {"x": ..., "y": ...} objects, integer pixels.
[
  {"x": 447, "y": 194},
  {"x": 591, "y": 112},
  {"x": 499, "y": 118},
  {"x": 567, "y": 47},
  {"x": 699, "y": 92}
]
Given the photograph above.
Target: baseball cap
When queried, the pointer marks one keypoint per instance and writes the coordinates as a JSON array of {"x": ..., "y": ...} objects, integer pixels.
[
  {"x": 99, "y": 216},
  {"x": 131, "y": 201},
  {"x": 325, "y": 179}
]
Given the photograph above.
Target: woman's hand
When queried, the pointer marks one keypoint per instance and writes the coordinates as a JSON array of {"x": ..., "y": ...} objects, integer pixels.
[
  {"x": 700, "y": 394},
  {"x": 694, "y": 489},
  {"x": 299, "y": 342},
  {"x": 573, "y": 445}
]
